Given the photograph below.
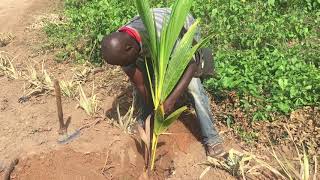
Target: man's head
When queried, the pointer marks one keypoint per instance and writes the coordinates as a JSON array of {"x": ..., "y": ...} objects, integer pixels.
[{"x": 119, "y": 48}]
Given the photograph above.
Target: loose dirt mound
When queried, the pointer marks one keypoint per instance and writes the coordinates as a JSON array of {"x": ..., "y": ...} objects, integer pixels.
[
  {"x": 179, "y": 156},
  {"x": 62, "y": 164},
  {"x": 68, "y": 164}
]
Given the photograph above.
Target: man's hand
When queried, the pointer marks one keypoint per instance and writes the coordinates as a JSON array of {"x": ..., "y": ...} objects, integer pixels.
[{"x": 168, "y": 107}]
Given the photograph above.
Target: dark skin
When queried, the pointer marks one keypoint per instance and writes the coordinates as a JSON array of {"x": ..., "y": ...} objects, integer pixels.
[{"x": 128, "y": 52}]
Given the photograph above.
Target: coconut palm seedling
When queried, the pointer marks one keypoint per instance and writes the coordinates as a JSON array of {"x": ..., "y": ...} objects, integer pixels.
[{"x": 169, "y": 60}]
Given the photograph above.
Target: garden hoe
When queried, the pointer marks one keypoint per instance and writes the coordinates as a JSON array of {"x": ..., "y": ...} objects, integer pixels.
[{"x": 64, "y": 137}]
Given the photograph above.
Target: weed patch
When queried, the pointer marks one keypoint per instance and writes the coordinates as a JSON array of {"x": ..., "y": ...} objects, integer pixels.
[
  {"x": 87, "y": 23},
  {"x": 126, "y": 121},
  {"x": 68, "y": 88},
  {"x": 88, "y": 104},
  {"x": 5, "y": 39},
  {"x": 6, "y": 66},
  {"x": 266, "y": 52},
  {"x": 39, "y": 82}
]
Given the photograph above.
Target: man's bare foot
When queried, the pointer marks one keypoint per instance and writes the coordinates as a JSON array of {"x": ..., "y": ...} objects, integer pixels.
[{"x": 215, "y": 150}]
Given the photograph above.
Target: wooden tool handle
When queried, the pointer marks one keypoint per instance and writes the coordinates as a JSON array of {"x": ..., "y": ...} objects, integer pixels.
[{"x": 59, "y": 105}]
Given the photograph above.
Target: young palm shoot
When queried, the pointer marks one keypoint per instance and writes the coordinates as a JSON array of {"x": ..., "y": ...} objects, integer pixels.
[{"x": 168, "y": 61}]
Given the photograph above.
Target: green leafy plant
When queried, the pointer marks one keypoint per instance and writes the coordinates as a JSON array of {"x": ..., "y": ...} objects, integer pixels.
[
  {"x": 168, "y": 63},
  {"x": 268, "y": 53},
  {"x": 86, "y": 23}
]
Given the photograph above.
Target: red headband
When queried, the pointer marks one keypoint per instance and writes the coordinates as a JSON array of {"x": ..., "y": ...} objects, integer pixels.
[{"x": 133, "y": 33}]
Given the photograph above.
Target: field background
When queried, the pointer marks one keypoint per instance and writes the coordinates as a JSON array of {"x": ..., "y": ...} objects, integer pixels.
[{"x": 267, "y": 78}]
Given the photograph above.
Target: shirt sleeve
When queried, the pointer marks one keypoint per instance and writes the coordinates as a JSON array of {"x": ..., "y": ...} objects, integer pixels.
[{"x": 190, "y": 20}]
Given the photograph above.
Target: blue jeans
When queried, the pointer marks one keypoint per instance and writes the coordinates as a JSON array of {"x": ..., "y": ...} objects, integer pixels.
[
  {"x": 202, "y": 108},
  {"x": 203, "y": 111}
]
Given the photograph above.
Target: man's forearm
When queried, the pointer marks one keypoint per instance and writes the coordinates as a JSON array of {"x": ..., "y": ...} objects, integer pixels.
[
  {"x": 181, "y": 86},
  {"x": 143, "y": 93},
  {"x": 136, "y": 77}
]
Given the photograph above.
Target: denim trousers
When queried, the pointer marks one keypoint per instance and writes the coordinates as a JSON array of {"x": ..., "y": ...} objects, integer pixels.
[{"x": 201, "y": 106}]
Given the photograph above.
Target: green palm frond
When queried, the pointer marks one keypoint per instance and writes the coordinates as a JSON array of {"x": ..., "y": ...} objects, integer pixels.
[
  {"x": 168, "y": 38},
  {"x": 170, "y": 58},
  {"x": 148, "y": 20},
  {"x": 169, "y": 120},
  {"x": 179, "y": 61}
]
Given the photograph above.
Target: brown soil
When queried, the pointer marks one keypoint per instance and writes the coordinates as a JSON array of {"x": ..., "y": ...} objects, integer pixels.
[{"x": 28, "y": 130}]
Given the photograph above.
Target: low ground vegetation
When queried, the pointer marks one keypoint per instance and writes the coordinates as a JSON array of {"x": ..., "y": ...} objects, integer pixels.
[{"x": 266, "y": 51}]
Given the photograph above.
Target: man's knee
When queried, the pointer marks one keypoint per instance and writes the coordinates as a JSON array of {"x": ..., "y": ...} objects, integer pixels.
[{"x": 194, "y": 86}]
